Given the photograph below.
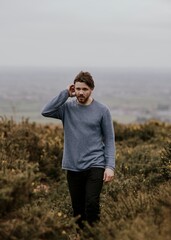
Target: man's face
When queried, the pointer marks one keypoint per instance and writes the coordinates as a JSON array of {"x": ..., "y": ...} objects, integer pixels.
[{"x": 82, "y": 92}]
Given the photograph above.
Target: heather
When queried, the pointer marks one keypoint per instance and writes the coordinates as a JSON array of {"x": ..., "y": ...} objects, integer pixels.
[{"x": 34, "y": 199}]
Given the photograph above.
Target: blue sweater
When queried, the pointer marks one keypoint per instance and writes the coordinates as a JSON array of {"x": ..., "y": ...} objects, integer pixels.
[{"x": 88, "y": 133}]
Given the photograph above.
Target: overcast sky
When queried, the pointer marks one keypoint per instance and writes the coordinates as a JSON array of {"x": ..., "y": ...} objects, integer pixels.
[{"x": 101, "y": 33}]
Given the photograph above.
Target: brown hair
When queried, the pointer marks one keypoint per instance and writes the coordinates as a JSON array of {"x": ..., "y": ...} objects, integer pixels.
[{"x": 86, "y": 78}]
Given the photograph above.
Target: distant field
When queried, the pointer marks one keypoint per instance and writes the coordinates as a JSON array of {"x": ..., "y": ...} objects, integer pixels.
[{"x": 131, "y": 95}]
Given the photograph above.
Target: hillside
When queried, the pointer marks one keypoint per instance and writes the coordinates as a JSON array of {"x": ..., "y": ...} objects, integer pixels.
[{"x": 34, "y": 198}]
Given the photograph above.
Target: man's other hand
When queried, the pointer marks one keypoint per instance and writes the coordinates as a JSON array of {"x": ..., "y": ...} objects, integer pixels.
[{"x": 108, "y": 175}]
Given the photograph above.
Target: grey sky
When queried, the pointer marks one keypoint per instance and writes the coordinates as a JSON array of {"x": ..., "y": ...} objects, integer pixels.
[{"x": 102, "y": 33}]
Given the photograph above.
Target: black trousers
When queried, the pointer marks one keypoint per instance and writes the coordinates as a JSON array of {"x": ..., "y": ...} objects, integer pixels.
[{"x": 85, "y": 188}]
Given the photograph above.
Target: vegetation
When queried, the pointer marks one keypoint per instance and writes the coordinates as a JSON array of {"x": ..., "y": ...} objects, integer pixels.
[{"x": 34, "y": 199}]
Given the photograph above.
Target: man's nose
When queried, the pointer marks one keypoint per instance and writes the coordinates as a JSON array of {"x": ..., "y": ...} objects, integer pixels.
[{"x": 81, "y": 92}]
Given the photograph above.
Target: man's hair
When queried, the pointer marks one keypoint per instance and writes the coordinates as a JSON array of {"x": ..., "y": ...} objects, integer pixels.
[{"x": 86, "y": 78}]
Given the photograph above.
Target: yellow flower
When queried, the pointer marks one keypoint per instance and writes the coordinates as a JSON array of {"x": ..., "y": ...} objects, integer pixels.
[{"x": 59, "y": 214}]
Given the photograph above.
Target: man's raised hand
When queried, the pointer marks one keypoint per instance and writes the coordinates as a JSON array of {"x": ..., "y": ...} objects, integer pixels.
[{"x": 71, "y": 90}]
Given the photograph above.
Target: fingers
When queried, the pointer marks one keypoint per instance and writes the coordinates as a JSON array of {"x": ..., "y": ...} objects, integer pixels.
[
  {"x": 108, "y": 178},
  {"x": 71, "y": 90}
]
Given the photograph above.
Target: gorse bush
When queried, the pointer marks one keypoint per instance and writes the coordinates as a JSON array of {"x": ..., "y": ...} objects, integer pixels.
[
  {"x": 166, "y": 161},
  {"x": 32, "y": 143},
  {"x": 16, "y": 187},
  {"x": 34, "y": 198}
]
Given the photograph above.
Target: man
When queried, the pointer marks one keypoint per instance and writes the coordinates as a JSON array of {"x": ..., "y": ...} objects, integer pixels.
[{"x": 89, "y": 144}]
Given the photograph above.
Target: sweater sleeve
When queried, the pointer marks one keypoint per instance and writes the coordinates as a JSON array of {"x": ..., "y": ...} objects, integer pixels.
[
  {"x": 109, "y": 140},
  {"x": 55, "y": 108}
]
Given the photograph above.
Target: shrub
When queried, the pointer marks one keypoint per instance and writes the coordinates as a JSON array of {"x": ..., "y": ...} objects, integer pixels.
[
  {"x": 16, "y": 187},
  {"x": 35, "y": 201},
  {"x": 166, "y": 161}
]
